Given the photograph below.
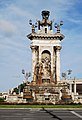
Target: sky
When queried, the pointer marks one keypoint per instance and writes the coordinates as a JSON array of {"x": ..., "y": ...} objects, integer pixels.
[{"x": 15, "y": 52}]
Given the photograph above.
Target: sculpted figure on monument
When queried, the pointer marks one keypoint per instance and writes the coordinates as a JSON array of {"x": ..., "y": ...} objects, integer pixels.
[{"x": 46, "y": 67}]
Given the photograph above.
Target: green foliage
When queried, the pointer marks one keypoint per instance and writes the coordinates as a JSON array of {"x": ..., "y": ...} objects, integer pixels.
[
  {"x": 19, "y": 88},
  {"x": 39, "y": 106},
  {"x": 1, "y": 99},
  {"x": 16, "y": 90}
]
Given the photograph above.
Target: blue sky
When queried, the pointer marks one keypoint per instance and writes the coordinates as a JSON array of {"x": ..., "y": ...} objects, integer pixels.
[{"x": 15, "y": 53}]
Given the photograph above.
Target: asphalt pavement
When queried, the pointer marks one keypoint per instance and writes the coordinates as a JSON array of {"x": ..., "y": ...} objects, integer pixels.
[{"x": 40, "y": 114}]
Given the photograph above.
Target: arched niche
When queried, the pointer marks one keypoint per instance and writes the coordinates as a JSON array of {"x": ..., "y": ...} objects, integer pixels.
[
  {"x": 46, "y": 55},
  {"x": 46, "y": 63}
]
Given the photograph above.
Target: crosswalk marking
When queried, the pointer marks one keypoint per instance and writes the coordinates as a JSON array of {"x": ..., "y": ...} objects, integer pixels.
[{"x": 78, "y": 115}]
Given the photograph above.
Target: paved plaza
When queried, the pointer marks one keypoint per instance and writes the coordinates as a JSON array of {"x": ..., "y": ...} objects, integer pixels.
[{"x": 40, "y": 114}]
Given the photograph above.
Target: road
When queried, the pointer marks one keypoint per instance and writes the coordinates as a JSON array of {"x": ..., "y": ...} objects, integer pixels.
[{"x": 40, "y": 114}]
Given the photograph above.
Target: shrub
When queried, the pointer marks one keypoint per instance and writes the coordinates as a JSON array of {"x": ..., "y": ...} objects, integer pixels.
[{"x": 1, "y": 99}]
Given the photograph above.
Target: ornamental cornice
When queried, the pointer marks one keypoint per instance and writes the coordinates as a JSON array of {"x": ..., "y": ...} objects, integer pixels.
[{"x": 56, "y": 36}]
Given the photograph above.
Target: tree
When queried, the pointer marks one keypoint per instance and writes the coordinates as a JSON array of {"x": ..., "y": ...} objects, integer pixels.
[
  {"x": 2, "y": 99},
  {"x": 21, "y": 87},
  {"x": 16, "y": 90}
]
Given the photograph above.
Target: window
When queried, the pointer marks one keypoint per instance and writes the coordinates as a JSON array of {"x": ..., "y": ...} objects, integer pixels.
[
  {"x": 46, "y": 98},
  {"x": 45, "y": 30}
]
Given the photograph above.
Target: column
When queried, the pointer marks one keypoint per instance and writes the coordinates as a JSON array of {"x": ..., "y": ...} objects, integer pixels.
[
  {"x": 52, "y": 55},
  {"x": 74, "y": 87},
  {"x": 70, "y": 88},
  {"x": 34, "y": 61},
  {"x": 39, "y": 56},
  {"x": 58, "y": 48}
]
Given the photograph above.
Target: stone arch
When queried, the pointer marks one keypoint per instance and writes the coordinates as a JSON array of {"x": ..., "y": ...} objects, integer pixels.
[{"x": 46, "y": 55}]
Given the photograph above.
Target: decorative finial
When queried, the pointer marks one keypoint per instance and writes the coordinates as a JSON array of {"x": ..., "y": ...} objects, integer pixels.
[
  {"x": 45, "y": 14},
  {"x": 58, "y": 26},
  {"x": 45, "y": 22},
  {"x": 33, "y": 26}
]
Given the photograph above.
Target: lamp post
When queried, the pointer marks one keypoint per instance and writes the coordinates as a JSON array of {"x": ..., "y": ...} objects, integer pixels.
[
  {"x": 66, "y": 74},
  {"x": 26, "y": 75},
  {"x": 69, "y": 73}
]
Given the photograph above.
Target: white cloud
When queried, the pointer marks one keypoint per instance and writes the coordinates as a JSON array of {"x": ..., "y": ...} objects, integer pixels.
[
  {"x": 16, "y": 10},
  {"x": 76, "y": 21},
  {"x": 7, "y": 26}
]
